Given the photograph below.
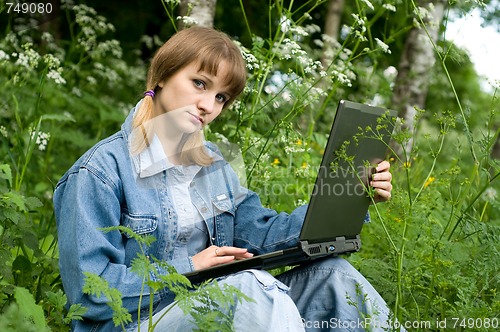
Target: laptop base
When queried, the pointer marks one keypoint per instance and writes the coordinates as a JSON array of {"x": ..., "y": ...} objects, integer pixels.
[{"x": 294, "y": 256}]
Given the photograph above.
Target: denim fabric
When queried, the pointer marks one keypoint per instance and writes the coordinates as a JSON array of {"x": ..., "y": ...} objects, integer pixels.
[
  {"x": 106, "y": 188},
  {"x": 324, "y": 295},
  {"x": 271, "y": 309},
  {"x": 331, "y": 295}
]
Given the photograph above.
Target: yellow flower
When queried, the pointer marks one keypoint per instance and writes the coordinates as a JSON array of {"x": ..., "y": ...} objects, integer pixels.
[
  {"x": 429, "y": 181},
  {"x": 299, "y": 142},
  {"x": 276, "y": 162},
  {"x": 304, "y": 165},
  {"x": 407, "y": 164}
]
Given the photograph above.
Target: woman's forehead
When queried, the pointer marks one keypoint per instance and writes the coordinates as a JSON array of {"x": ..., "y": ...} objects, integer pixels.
[{"x": 221, "y": 71}]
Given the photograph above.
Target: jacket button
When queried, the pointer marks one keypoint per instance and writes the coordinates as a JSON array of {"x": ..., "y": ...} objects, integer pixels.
[{"x": 204, "y": 209}]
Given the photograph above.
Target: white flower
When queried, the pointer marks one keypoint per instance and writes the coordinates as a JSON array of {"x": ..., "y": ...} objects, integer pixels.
[
  {"x": 186, "y": 20},
  {"x": 147, "y": 40},
  {"x": 42, "y": 139},
  {"x": 299, "y": 31},
  {"x": 300, "y": 202},
  {"x": 4, "y": 56},
  {"x": 3, "y": 131},
  {"x": 285, "y": 24},
  {"x": 389, "y": 7},
  {"x": 390, "y": 73},
  {"x": 383, "y": 46},
  {"x": 29, "y": 58},
  {"x": 51, "y": 61},
  {"x": 495, "y": 84},
  {"x": 368, "y": 4},
  {"x": 91, "y": 80},
  {"x": 77, "y": 92},
  {"x": 56, "y": 76},
  {"x": 359, "y": 20},
  {"x": 250, "y": 59},
  {"x": 490, "y": 194}
]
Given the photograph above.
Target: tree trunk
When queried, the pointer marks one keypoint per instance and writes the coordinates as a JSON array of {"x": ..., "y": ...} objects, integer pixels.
[
  {"x": 201, "y": 12},
  {"x": 417, "y": 60},
  {"x": 332, "y": 27},
  {"x": 51, "y": 22}
]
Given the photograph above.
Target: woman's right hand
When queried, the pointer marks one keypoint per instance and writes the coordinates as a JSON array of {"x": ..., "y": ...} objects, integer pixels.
[{"x": 213, "y": 256}]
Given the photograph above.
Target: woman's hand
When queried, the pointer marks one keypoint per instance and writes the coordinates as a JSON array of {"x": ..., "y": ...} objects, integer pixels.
[
  {"x": 214, "y": 255},
  {"x": 381, "y": 182}
]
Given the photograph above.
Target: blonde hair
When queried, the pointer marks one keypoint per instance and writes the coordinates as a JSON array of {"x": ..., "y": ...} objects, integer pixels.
[{"x": 208, "y": 48}]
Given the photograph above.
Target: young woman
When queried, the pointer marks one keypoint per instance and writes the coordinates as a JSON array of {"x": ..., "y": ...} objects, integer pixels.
[{"x": 158, "y": 176}]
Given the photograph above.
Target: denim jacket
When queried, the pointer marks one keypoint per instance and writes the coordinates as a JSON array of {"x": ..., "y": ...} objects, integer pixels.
[{"x": 105, "y": 188}]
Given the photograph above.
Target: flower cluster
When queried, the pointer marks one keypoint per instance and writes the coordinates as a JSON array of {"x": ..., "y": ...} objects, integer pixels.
[
  {"x": 3, "y": 131},
  {"x": 41, "y": 139}
]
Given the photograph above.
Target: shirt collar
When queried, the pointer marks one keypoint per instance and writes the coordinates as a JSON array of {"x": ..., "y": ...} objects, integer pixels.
[{"x": 153, "y": 160}]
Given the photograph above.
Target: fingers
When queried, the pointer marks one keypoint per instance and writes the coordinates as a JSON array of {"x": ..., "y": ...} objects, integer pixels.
[
  {"x": 381, "y": 182},
  {"x": 383, "y": 166},
  {"x": 214, "y": 255}
]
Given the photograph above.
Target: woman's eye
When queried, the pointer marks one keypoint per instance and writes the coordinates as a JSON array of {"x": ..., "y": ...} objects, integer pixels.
[
  {"x": 199, "y": 83},
  {"x": 221, "y": 98}
]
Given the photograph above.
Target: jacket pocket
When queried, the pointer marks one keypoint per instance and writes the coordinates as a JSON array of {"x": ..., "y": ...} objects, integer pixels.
[
  {"x": 222, "y": 203},
  {"x": 139, "y": 224}
]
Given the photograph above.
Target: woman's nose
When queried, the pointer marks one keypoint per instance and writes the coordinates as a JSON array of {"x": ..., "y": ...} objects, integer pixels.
[{"x": 206, "y": 103}]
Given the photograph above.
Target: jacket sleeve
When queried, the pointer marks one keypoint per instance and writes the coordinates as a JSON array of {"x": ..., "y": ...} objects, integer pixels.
[
  {"x": 260, "y": 229},
  {"x": 84, "y": 201}
]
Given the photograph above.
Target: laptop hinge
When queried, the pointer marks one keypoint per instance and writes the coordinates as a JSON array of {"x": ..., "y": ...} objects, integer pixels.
[{"x": 340, "y": 245}]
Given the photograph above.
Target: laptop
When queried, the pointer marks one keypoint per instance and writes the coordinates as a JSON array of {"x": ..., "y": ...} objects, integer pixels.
[{"x": 339, "y": 201}]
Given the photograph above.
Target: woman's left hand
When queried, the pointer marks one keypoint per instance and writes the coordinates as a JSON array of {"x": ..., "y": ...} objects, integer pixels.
[{"x": 381, "y": 182}]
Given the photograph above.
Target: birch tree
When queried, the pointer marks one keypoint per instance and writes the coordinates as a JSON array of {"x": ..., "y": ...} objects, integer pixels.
[
  {"x": 417, "y": 60},
  {"x": 197, "y": 12},
  {"x": 333, "y": 20}
]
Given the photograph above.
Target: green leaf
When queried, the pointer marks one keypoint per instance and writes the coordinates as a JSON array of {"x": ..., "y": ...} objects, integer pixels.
[
  {"x": 10, "y": 214},
  {"x": 65, "y": 117},
  {"x": 75, "y": 312},
  {"x": 6, "y": 173},
  {"x": 22, "y": 270},
  {"x": 30, "y": 309},
  {"x": 57, "y": 299},
  {"x": 33, "y": 203},
  {"x": 16, "y": 199}
]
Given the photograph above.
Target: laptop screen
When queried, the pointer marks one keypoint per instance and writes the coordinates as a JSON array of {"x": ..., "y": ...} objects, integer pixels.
[{"x": 339, "y": 201}]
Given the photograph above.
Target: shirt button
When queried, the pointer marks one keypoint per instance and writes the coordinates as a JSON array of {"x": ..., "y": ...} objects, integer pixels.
[
  {"x": 191, "y": 184},
  {"x": 204, "y": 209}
]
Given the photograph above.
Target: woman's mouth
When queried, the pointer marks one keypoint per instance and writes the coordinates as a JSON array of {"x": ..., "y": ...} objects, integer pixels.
[{"x": 197, "y": 118}]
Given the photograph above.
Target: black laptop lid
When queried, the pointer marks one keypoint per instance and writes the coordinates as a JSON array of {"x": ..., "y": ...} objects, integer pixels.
[{"x": 339, "y": 202}]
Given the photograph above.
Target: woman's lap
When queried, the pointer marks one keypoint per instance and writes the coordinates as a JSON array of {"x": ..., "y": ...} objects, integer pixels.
[
  {"x": 271, "y": 309},
  {"x": 331, "y": 294},
  {"x": 328, "y": 294}
]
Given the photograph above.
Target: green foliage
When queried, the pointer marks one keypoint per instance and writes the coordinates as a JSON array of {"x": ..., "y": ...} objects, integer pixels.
[
  {"x": 209, "y": 305},
  {"x": 26, "y": 311}
]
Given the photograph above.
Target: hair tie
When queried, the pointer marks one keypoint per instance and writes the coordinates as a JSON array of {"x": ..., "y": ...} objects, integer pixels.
[{"x": 150, "y": 93}]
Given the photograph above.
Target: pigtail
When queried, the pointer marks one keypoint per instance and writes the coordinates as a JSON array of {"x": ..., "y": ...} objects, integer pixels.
[
  {"x": 193, "y": 150},
  {"x": 141, "y": 136}
]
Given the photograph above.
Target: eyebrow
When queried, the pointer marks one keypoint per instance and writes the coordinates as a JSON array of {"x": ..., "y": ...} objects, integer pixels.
[{"x": 210, "y": 81}]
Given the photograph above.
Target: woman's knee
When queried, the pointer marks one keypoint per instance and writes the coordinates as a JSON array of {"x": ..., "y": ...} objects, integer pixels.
[{"x": 338, "y": 264}]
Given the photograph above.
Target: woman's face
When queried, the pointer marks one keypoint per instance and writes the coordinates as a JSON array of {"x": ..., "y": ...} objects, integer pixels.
[{"x": 192, "y": 98}]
